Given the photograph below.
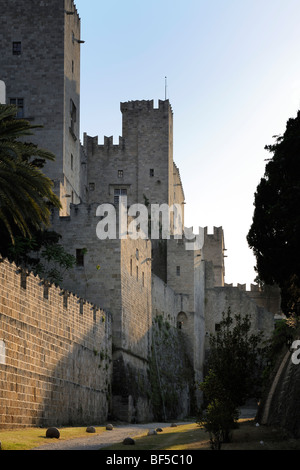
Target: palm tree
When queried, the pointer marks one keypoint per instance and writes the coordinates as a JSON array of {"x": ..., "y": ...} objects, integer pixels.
[{"x": 26, "y": 194}]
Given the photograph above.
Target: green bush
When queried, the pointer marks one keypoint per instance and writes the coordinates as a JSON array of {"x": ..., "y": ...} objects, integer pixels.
[{"x": 234, "y": 375}]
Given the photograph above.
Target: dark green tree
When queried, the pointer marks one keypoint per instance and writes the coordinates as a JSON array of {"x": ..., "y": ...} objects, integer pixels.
[
  {"x": 275, "y": 231},
  {"x": 234, "y": 374}
]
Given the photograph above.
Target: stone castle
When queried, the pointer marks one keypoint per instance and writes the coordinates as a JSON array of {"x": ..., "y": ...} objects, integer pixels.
[{"x": 163, "y": 297}]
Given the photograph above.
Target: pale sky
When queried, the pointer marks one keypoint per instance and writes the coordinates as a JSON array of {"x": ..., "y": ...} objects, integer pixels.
[{"x": 233, "y": 81}]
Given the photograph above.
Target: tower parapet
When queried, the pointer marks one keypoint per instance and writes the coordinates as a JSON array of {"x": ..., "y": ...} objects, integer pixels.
[
  {"x": 145, "y": 105},
  {"x": 141, "y": 165},
  {"x": 213, "y": 251}
]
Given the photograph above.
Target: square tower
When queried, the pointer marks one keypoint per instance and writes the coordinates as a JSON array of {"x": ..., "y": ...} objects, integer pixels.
[
  {"x": 142, "y": 162},
  {"x": 40, "y": 65}
]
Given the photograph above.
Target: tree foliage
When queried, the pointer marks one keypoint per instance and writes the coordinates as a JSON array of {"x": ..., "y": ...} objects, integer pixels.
[
  {"x": 275, "y": 231},
  {"x": 26, "y": 194},
  {"x": 234, "y": 375},
  {"x": 234, "y": 357},
  {"x": 42, "y": 254},
  {"x": 26, "y": 201}
]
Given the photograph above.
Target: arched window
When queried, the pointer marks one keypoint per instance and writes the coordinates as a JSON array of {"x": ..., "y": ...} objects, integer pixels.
[
  {"x": 2, "y": 352},
  {"x": 181, "y": 321}
]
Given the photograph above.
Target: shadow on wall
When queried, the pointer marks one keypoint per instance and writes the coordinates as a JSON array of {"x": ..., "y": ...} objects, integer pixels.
[
  {"x": 158, "y": 388},
  {"x": 58, "y": 366},
  {"x": 281, "y": 406},
  {"x": 56, "y": 355},
  {"x": 171, "y": 372}
]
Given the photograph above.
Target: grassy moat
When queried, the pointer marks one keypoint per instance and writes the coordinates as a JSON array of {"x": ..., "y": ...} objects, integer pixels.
[{"x": 183, "y": 437}]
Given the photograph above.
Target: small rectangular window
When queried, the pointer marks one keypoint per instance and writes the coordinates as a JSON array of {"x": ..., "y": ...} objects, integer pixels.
[
  {"x": 91, "y": 186},
  {"x": 80, "y": 256},
  {"x": 19, "y": 103},
  {"x": 17, "y": 48},
  {"x": 178, "y": 270},
  {"x": 118, "y": 193},
  {"x": 120, "y": 173},
  {"x": 72, "y": 161},
  {"x": 151, "y": 172},
  {"x": 143, "y": 279}
]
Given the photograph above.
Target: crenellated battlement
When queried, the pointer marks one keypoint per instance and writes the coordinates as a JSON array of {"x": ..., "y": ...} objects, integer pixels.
[
  {"x": 91, "y": 144},
  {"x": 83, "y": 211},
  {"x": 216, "y": 235},
  {"x": 74, "y": 8},
  {"x": 177, "y": 173},
  {"x": 243, "y": 287},
  {"x": 109, "y": 143},
  {"x": 145, "y": 106},
  {"x": 267, "y": 297}
]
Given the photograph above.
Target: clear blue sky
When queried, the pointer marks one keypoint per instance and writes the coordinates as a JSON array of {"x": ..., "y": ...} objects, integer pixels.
[{"x": 233, "y": 74}]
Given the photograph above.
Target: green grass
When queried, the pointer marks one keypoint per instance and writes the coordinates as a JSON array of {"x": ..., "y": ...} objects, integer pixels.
[
  {"x": 28, "y": 438},
  {"x": 172, "y": 438},
  {"x": 192, "y": 437},
  {"x": 182, "y": 437}
]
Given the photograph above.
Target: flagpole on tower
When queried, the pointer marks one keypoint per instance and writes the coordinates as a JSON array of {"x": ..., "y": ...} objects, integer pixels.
[{"x": 165, "y": 88}]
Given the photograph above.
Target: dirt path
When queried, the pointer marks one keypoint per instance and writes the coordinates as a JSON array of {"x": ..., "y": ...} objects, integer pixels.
[
  {"x": 96, "y": 442},
  {"x": 118, "y": 434}
]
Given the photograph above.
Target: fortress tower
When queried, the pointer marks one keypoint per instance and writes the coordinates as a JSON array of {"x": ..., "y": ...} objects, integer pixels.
[
  {"x": 40, "y": 65},
  {"x": 141, "y": 165},
  {"x": 213, "y": 251}
]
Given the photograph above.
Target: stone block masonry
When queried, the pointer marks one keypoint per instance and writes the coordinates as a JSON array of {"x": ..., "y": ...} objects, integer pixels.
[
  {"x": 55, "y": 354},
  {"x": 122, "y": 286},
  {"x": 41, "y": 69}
]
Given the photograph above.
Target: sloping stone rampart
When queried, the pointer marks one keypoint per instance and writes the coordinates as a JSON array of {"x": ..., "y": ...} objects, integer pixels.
[{"x": 281, "y": 406}]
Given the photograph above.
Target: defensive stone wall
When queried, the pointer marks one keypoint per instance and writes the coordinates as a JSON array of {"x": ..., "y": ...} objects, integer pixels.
[
  {"x": 166, "y": 304},
  {"x": 115, "y": 274},
  {"x": 219, "y": 299},
  {"x": 266, "y": 296},
  {"x": 171, "y": 372},
  {"x": 55, "y": 354}
]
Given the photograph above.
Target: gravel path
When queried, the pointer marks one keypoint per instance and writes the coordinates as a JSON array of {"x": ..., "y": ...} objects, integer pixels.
[
  {"x": 97, "y": 441},
  {"x": 118, "y": 434}
]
